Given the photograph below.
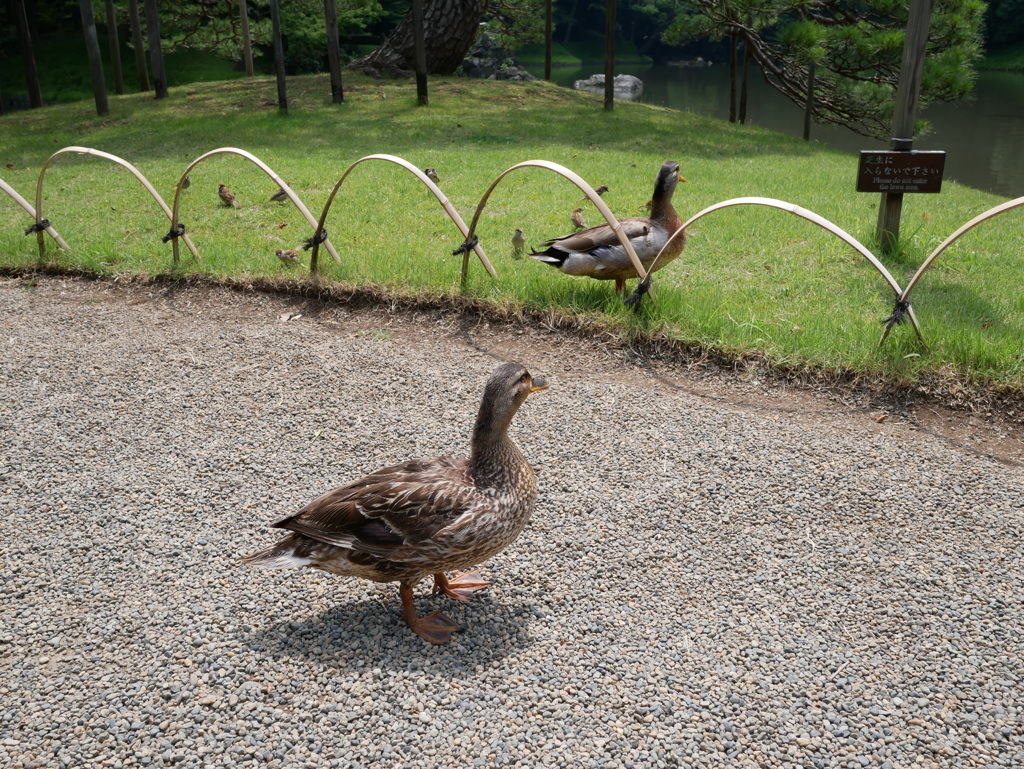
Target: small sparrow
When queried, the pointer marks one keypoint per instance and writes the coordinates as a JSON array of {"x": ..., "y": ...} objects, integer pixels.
[
  {"x": 227, "y": 196},
  {"x": 432, "y": 175},
  {"x": 599, "y": 190},
  {"x": 280, "y": 196},
  {"x": 186, "y": 182},
  {"x": 577, "y": 219},
  {"x": 288, "y": 255},
  {"x": 517, "y": 240}
]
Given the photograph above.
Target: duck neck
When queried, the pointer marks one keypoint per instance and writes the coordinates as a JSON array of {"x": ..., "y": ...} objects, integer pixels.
[
  {"x": 495, "y": 458},
  {"x": 661, "y": 205}
]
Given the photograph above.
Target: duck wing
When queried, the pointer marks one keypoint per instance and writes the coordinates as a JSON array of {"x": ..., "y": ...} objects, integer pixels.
[
  {"x": 389, "y": 509},
  {"x": 602, "y": 236}
]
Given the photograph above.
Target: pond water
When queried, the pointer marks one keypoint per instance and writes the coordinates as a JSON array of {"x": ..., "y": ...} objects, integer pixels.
[{"x": 983, "y": 137}]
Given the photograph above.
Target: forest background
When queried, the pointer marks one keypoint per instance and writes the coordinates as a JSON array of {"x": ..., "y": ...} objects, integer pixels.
[{"x": 203, "y": 43}]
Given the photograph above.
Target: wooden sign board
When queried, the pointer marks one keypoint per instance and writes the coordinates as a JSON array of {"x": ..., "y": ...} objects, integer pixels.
[{"x": 900, "y": 171}]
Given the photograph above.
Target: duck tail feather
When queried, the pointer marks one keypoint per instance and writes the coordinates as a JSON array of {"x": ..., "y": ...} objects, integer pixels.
[
  {"x": 553, "y": 256},
  {"x": 279, "y": 556}
]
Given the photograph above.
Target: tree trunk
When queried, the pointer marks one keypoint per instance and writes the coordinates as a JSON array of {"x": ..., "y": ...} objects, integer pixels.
[
  {"x": 243, "y": 15},
  {"x": 419, "y": 52},
  {"x": 115, "y": 48},
  {"x": 35, "y": 95},
  {"x": 609, "y": 56},
  {"x": 138, "y": 45},
  {"x": 732, "y": 78},
  {"x": 92, "y": 47},
  {"x": 282, "y": 89},
  {"x": 333, "y": 50},
  {"x": 570, "y": 22},
  {"x": 809, "y": 104},
  {"x": 744, "y": 83},
  {"x": 156, "y": 51},
  {"x": 547, "y": 39},
  {"x": 449, "y": 27}
]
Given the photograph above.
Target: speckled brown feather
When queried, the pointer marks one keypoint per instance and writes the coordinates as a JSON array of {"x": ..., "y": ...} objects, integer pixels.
[
  {"x": 414, "y": 500},
  {"x": 422, "y": 517},
  {"x": 602, "y": 234}
]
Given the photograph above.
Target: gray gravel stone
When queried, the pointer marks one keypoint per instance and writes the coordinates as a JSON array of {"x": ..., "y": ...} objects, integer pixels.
[{"x": 719, "y": 572}]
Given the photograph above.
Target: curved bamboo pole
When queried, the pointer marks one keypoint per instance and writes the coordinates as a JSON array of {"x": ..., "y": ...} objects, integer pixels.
[
  {"x": 821, "y": 222},
  {"x": 442, "y": 199},
  {"x": 587, "y": 190},
  {"x": 263, "y": 167},
  {"x": 106, "y": 156},
  {"x": 32, "y": 212},
  {"x": 995, "y": 211}
]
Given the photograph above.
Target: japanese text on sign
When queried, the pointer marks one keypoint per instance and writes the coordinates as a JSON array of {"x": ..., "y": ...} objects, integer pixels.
[{"x": 899, "y": 171}]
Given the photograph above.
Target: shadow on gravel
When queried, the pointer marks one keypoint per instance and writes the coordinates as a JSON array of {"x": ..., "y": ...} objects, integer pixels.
[{"x": 371, "y": 634}]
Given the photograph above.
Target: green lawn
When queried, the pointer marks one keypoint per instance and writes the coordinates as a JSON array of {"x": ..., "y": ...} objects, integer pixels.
[{"x": 753, "y": 283}]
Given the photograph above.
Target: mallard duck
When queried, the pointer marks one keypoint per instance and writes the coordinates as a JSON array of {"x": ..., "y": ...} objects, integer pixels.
[
  {"x": 597, "y": 253},
  {"x": 227, "y": 196},
  {"x": 423, "y": 517}
]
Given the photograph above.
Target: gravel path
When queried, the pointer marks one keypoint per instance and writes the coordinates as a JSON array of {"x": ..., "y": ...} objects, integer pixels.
[{"x": 717, "y": 575}]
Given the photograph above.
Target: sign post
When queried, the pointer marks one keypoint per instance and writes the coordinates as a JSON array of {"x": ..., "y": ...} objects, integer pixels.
[{"x": 908, "y": 89}]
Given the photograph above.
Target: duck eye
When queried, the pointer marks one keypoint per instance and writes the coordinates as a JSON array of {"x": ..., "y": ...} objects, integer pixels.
[{"x": 525, "y": 376}]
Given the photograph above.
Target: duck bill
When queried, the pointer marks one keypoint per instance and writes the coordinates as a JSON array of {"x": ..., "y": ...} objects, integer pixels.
[{"x": 539, "y": 384}]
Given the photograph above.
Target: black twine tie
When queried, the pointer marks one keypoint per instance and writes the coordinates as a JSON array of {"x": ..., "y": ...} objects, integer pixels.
[
  {"x": 175, "y": 232},
  {"x": 899, "y": 314},
  {"x": 318, "y": 237},
  {"x": 39, "y": 226},
  {"x": 468, "y": 245}
]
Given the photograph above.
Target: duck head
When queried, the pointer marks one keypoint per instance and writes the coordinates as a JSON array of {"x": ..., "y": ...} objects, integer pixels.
[
  {"x": 505, "y": 392},
  {"x": 665, "y": 184}
]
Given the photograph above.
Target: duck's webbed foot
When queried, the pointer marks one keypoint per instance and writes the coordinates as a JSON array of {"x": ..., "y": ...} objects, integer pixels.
[
  {"x": 436, "y": 628},
  {"x": 462, "y": 587}
]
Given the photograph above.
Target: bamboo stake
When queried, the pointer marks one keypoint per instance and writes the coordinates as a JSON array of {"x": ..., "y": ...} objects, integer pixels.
[
  {"x": 32, "y": 212},
  {"x": 263, "y": 167},
  {"x": 442, "y": 199},
  {"x": 950, "y": 240},
  {"x": 584, "y": 187},
  {"x": 816, "y": 219},
  {"x": 115, "y": 159}
]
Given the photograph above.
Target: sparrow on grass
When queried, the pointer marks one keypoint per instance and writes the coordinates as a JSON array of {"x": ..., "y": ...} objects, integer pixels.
[{"x": 227, "y": 196}]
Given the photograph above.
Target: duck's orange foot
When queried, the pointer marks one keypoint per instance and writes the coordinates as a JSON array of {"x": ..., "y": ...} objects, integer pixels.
[
  {"x": 436, "y": 628},
  {"x": 462, "y": 587}
]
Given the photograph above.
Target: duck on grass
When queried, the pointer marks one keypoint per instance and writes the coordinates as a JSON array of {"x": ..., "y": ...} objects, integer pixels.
[{"x": 597, "y": 253}]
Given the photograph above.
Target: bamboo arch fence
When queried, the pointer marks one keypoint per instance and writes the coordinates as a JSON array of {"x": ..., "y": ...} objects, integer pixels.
[{"x": 471, "y": 243}]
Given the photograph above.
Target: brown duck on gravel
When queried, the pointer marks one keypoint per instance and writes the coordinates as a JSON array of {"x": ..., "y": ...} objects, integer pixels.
[{"x": 423, "y": 517}]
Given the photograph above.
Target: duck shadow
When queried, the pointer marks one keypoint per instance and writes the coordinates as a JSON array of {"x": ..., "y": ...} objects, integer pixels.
[{"x": 370, "y": 633}]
